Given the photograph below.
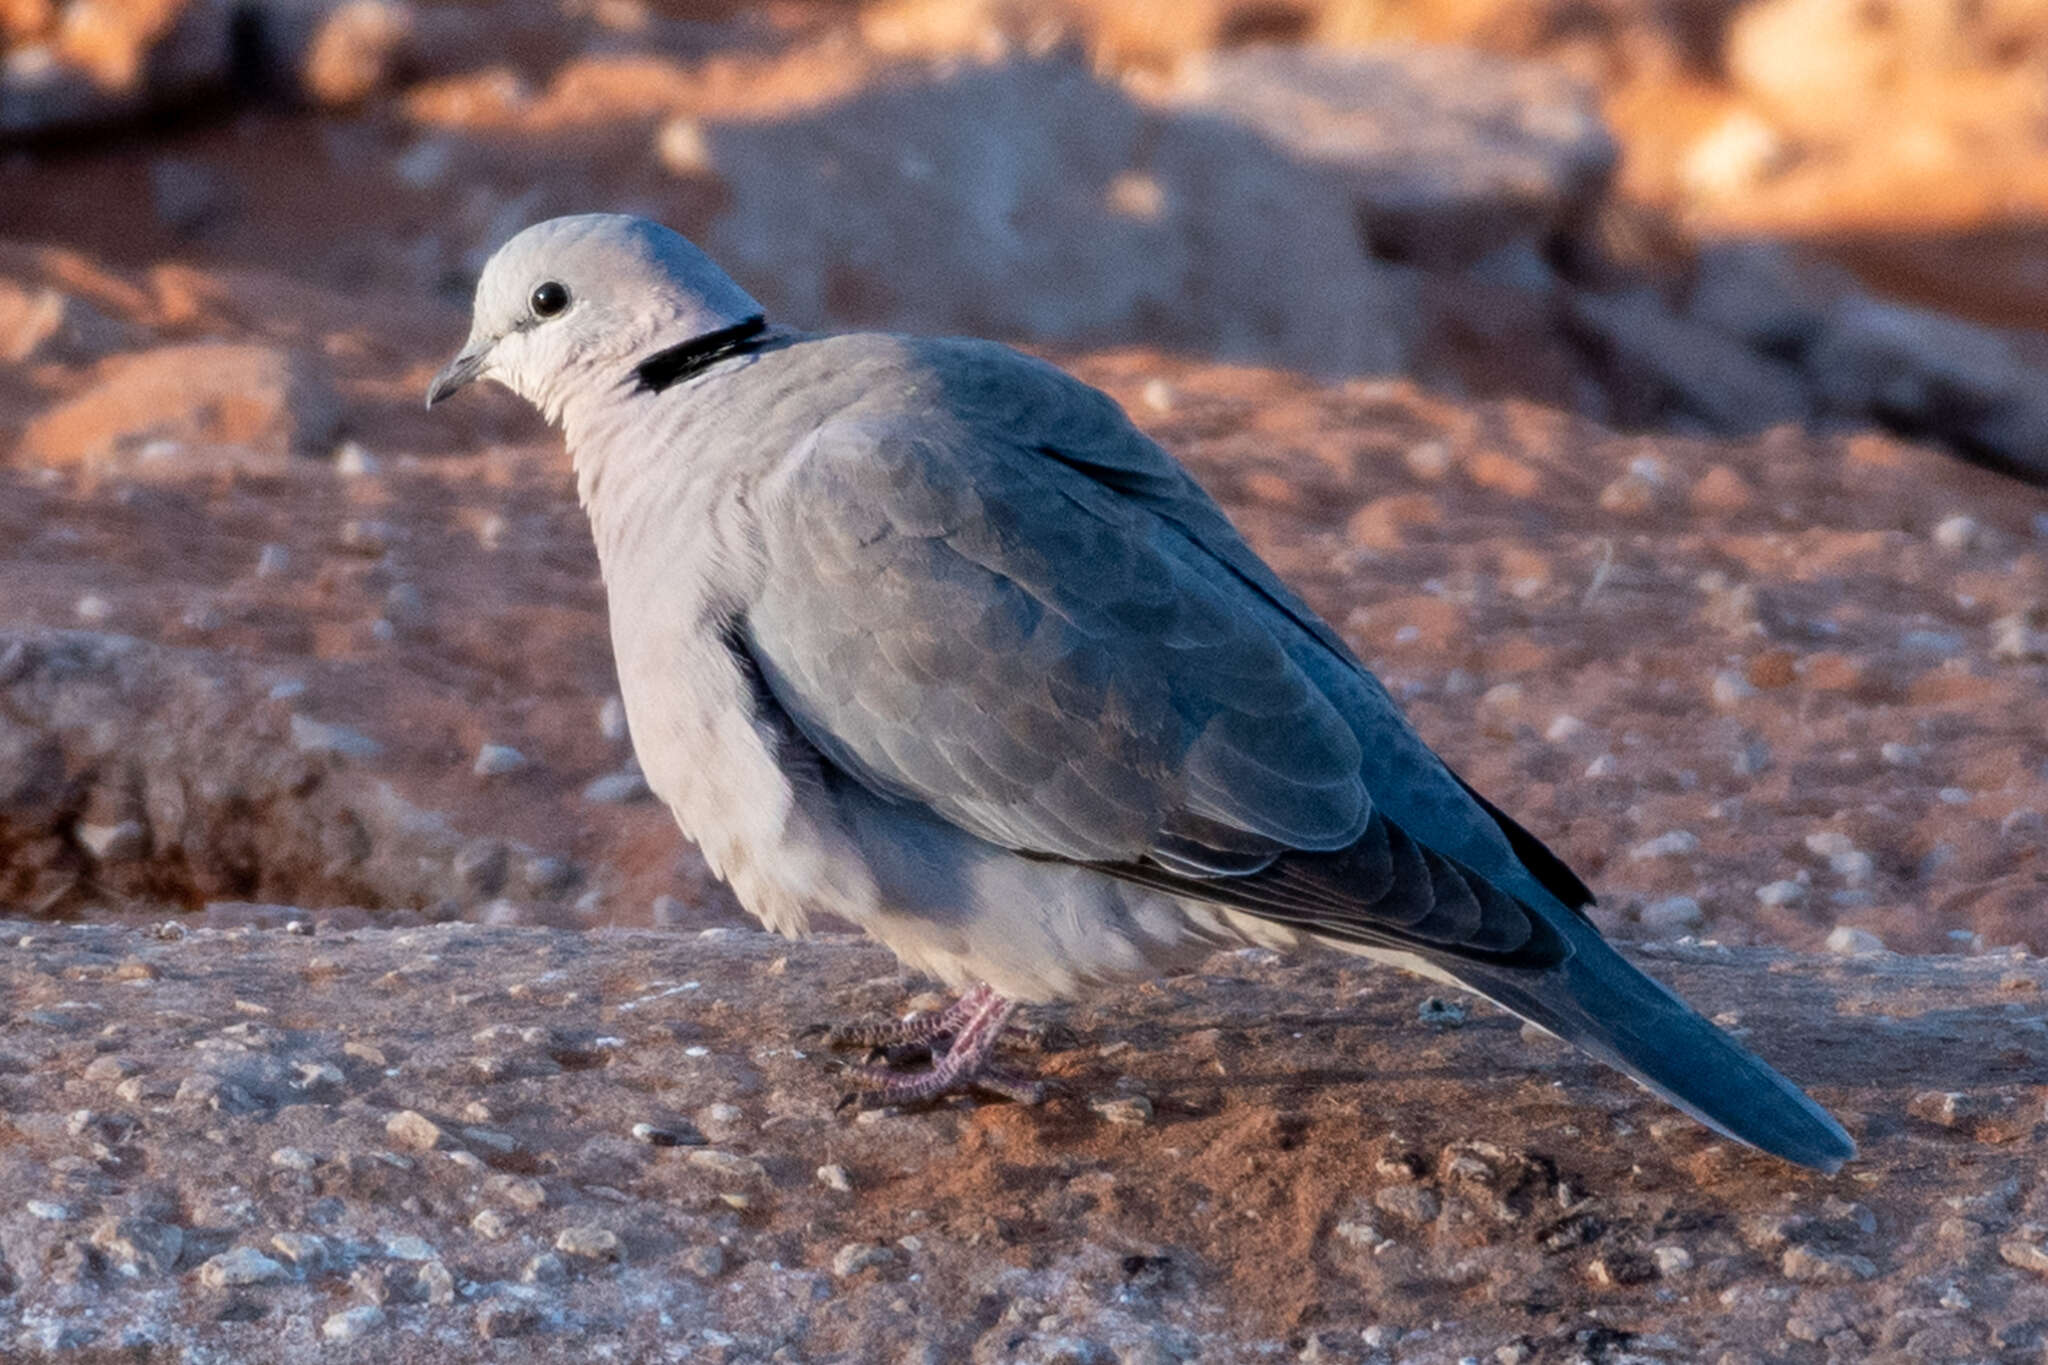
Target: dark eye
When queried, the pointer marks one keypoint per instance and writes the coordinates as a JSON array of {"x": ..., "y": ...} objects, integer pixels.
[{"x": 549, "y": 298}]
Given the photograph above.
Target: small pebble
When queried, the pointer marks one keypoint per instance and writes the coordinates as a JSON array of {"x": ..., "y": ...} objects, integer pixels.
[
  {"x": 1752, "y": 759},
  {"x": 1440, "y": 1013},
  {"x": 855, "y": 1257},
  {"x": 545, "y": 1268},
  {"x": 410, "y": 1248},
  {"x": 1671, "y": 1260},
  {"x": 302, "y": 1249},
  {"x": 490, "y": 1225},
  {"x": 1781, "y": 893},
  {"x": 2023, "y": 1254},
  {"x": 410, "y": 1128},
  {"x": 1814, "y": 1266},
  {"x": 352, "y": 1323},
  {"x": 239, "y": 1267},
  {"x": 496, "y": 760},
  {"x": 834, "y": 1177},
  {"x": 1132, "y": 1110},
  {"x": 273, "y": 561},
  {"x": 1731, "y": 689},
  {"x": 93, "y": 609},
  {"x": 728, "y": 1164},
  {"x": 590, "y": 1242},
  {"x": 655, "y": 1136},
  {"x": 616, "y": 789},
  {"x": 318, "y": 737},
  {"x": 353, "y": 461},
  {"x": 1958, "y": 532},
  {"x": 1427, "y": 460},
  {"x": 435, "y": 1284},
  {"x": 500, "y": 1318},
  {"x": 1850, "y": 942},
  {"x": 1678, "y": 843},
  {"x": 611, "y": 718},
  {"x": 1564, "y": 729}
]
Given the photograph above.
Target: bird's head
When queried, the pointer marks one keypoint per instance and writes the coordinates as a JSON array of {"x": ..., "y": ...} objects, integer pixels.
[{"x": 567, "y": 300}]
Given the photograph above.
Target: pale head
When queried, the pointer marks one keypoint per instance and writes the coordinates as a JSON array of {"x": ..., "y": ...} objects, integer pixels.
[{"x": 573, "y": 304}]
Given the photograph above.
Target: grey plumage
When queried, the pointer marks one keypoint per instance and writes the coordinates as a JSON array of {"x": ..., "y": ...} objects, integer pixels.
[{"x": 925, "y": 634}]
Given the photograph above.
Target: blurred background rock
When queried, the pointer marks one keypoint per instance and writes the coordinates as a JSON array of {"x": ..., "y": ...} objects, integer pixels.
[
  {"x": 1621, "y": 375},
  {"x": 1705, "y": 213}
]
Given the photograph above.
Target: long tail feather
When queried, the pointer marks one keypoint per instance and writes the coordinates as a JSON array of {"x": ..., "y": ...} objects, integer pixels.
[{"x": 1600, "y": 1003}]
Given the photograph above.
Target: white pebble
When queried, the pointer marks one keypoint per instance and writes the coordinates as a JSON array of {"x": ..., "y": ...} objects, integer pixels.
[
  {"x": 93, "y": 608},
  {"x": 1828, "y": 842},
  {"x": 1853, "y": 866},
  {"x": 611, "y": 718},
  {"x": 616, "y": 789},
  {"x": 1731, "y": 688},
  {"x": 1428, "y": 459},
  {"x": 680, "y": 145},
  {"x": 1953, "y": 796},
  {"x": 1564, "y": 729},
  {"x": 1606, "y": 765},
  {"x": 242, "y": 1266},
  {"x": 1958, "y": 532},
  {"x": 1671, "y": 1260},
  {"x": 495, "y": 760},
  {"x": 351, "y": 1323},
  {"x": 1850, "y": 942},
  {"x": 352, "y": 460},
  {"x": 1781, "y": 893},
  {"x": 1157, "y": 395},
  {"x": 1678, "y": 843}
]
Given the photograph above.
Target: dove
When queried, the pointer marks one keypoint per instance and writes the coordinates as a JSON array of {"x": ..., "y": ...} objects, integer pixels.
[{"x": 924, "y": 635}]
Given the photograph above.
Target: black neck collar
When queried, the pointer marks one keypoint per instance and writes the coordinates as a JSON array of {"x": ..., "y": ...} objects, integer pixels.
[{"x": 677, "y": 363}]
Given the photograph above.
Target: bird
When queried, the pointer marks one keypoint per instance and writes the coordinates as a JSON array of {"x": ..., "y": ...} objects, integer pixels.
[{"x": 925, "y": 635}]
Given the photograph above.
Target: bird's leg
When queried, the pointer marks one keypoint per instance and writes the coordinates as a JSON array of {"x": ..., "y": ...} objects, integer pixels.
[
  {"x": 918, "y": 1030},
  {"x": 966, "y": 1064}
]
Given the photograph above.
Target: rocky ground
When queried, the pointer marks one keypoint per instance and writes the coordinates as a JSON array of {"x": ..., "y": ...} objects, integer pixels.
[
  {"x": 292, "y": 1139},
  {"x": 1629, "y": 394}
]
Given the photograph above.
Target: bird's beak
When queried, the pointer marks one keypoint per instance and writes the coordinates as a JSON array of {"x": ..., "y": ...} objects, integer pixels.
[{"x": 460, "y": 371}]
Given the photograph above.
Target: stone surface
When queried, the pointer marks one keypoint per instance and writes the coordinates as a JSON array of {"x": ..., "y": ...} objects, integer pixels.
[
  {"x": 1035, "y": 195},
  {"x": 211, "y": 401},
  {"x": 1447, "y": 153},
  {"x": 1484, "y": 1149}
]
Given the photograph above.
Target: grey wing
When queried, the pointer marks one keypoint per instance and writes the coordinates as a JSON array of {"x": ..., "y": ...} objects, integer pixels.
[{"x": 961, "y": 616}]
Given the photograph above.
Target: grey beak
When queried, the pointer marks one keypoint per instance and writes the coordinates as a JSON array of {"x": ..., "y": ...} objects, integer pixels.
[{"x": 460, "y": 371}]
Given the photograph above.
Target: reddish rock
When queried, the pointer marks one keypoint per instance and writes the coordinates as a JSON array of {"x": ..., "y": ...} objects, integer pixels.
[{"x": 213, "y": 400}]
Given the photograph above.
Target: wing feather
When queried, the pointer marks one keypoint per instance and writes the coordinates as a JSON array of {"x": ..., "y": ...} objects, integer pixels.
[{"x": 1012, "y": 608}]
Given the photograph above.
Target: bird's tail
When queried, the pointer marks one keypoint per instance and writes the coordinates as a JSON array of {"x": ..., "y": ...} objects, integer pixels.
[{"x": 1601, "y": 1004}]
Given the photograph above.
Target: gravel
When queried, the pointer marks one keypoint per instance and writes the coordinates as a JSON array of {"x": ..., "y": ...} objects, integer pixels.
[{"x": 402, "y": 1199}]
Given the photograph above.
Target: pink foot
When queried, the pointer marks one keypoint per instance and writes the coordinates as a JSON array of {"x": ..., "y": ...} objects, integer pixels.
[{"x": 967, "y": 1030}]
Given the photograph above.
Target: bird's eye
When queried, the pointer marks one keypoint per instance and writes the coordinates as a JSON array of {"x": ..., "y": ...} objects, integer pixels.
[{"x": 549, "y": 299}]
